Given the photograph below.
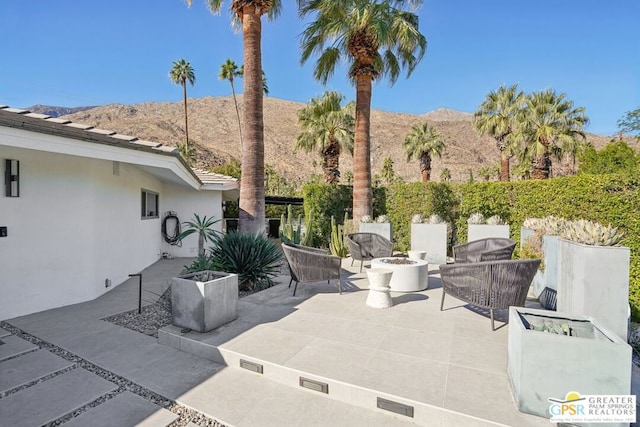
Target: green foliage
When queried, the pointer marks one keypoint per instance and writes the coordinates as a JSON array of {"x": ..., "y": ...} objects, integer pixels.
[
  {"x": 338, "y": 245},
  {"x": 348, "y": 178},
  {"x": 291, "y": 232},
  {"x": 201, "y": 226},
  {"x": 232, "y": 168},
  {"x": 445, "y": 175},
  {"x": 630, "y": 123},
  {"x": 253, "y": 257},
  {"x": 323, "y": 201},
  {"x": 616, "y": 157},
  {"x": 187, "y": 152}
]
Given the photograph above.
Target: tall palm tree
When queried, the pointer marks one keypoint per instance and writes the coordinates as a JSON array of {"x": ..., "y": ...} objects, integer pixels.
[
  {"x": 249, "y": 14},
  {"x": 326, "y": 126},
  {"x": 265, "y": 87},
  {"x": 497, "y": 117},
  {"x": 229, "y": 71},
  {"x": 376, "y": 38},
  {"x": 181, "y": 73},
  {"x": 549, "y": 122},
  {"x": 423, "y": 143}
]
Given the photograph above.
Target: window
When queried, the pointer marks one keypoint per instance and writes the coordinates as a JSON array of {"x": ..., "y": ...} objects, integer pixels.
[
  {"x": 12, "y": 178},
  {"x": 149, "y": 204}
]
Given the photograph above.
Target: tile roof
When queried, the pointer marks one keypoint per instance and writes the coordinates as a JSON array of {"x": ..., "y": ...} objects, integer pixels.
[{"x": 42, "y": 123}]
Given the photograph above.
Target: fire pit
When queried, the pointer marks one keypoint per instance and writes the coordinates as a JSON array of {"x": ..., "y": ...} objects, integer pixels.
[{"x": 409, "y": 275}]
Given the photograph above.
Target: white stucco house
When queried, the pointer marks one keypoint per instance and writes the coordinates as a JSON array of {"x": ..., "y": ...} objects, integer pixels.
[{"x": 81, "y": 208}]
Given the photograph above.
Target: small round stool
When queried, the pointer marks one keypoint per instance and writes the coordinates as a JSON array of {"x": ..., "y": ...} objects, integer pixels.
[
  {"x": 417, "y": 255},
  {"x": 379, "y": 296}
]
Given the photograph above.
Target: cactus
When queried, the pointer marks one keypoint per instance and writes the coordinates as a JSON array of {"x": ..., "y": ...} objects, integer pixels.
[
  {"x": 289, "y": 231},
  {"x": 337, "y": 245},
  {"x": 307, "y": 235},
  {"x": 366, "y": 219},
  {"x": 416, "y": 219},
  {"x": 591, "y": 233},
  {"x": 435, "y": 219},
  {"x": 495, "y": 220},
  {"x": 382, "y": 219},
  {"x": 476, "y": 218}
]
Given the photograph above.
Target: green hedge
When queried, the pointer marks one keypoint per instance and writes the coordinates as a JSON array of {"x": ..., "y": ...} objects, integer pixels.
[{"x": 608, "y": 199}]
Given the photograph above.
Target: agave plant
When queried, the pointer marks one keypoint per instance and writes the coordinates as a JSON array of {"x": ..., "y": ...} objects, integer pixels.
[
  {"x": 533, "y": 223},
  {"x": 591, "y": 233},
  {"x": 417, "y": 219},
  {"x": 476, "y": 218},
  {"x": 366, "y": 219},
  {"x": 202, "y": 226},
  {"x": 553, "y": 225},
  {"x": 435, "y": 219},
  {"x": 382, "y": 219},
  {"x": 495, "y": 220}
]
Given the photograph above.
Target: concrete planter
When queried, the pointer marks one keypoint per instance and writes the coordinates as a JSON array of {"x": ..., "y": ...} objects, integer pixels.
[
  {"x": 382, "y": 228},
  {"x": 482, "y": 231},
  {"x": 547, "y": 278},
  {"x": 204, "y": 300},
  {"x": 594, "y": 281},
  {"x": 431, "y": 238},
  {"x": 543, "y": 364}
]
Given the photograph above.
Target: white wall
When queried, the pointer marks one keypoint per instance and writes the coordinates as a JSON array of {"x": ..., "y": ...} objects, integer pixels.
[{"x": 76, "y": 224}]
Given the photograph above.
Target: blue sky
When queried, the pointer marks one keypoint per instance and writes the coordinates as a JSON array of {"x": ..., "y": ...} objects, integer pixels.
[{"x": 76, "y": 53}]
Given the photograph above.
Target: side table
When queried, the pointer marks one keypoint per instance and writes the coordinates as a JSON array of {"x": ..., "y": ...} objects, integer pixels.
[{"x": 379, "y": 296}]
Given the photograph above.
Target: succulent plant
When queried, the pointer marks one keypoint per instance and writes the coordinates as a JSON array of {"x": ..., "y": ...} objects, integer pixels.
[
  {"x": 365, "y": 219},
  {"x": 591, "y": 233},
  {"x": 533, "y": 223},
  {"x": 416, "y": 219},
  {"x": 382, "y": 219},
  {"x": 435, "y": 219},
  {"x": 476, "y": 218},
  {"x": 553, "y": 225},
  {"x": 495, "y": 220}
]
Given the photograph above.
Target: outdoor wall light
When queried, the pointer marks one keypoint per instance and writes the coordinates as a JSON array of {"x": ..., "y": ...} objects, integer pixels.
[{"x": 12, "y": 178}]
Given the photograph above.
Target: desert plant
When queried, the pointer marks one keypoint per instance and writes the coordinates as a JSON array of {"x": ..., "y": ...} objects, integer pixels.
[
  {"x": 436, "y": 219},
  {"x": 290, "y": 231},
  {"x": 202, "y": 263},
  {"x": 476, "y": 218},
  {"x": 338, "y": 245},
  {"x": 202, "y": 226},
  {"x": 591, "y": 233},
  {"x": 382, "y": 219},
  {"x": 495, "y": 220},
  {"x": 416, "y": 219},
  {"x": 532, "y": 249},
  {"x": 366, "y": 219},
  {"x": 253, "y": 257}
]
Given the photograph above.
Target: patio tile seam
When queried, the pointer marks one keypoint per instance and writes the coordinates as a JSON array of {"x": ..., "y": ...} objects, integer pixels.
[
  {"x": 185, "y": 414},
  {"x": 29, "y": 384},
  {"x": 15, "y": 356},
  {"x": 488, "y": 371}
]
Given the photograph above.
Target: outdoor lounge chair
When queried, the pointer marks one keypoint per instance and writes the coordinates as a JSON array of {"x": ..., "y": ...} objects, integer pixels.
[
  {"x": 367, "y": 246},
  {"x": 489, "y": 249},
  {"x": 308, "y": 265},
  {"x": 496, "y": 285}
]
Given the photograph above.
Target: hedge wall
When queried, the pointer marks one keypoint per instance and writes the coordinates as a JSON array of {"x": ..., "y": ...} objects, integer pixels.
[{"x": 608, "y": 199}]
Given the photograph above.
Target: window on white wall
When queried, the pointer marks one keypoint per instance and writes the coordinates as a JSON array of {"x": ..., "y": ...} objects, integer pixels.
[{"x": 150, "y": 204}]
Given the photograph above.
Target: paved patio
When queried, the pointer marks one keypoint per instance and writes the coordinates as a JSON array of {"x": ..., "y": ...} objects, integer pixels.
[{"x": 448, "y": 366}]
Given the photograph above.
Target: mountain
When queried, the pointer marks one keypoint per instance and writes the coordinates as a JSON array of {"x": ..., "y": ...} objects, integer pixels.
[
  {"x": 53, "y": 111},
  {"x": 213, "y": 128}
]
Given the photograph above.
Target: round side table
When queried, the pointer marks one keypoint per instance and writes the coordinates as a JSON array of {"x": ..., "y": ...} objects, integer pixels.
[{"x": 379, "y": 296}]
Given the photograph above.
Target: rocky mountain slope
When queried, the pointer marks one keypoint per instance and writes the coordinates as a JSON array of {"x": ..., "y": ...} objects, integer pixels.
[{"x": 213, "y": 128}]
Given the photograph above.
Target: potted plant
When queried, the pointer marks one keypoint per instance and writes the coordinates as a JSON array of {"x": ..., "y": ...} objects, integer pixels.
[
  {"x": 382, "y": 226},
  {"x": 593, "y": 274},
  {"x": 204, "y": 300},
  {"x": 430, "y": 236},
  {"x": 550, "y": 354},
  {"x": 481, "y": 228}
]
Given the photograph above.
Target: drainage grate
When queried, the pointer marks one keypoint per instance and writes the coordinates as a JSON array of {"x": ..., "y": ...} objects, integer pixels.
[
  {"x": 396, "y": 407},
  {"x": 251, "y": 366},
  {"x": 314, "y": 385}
]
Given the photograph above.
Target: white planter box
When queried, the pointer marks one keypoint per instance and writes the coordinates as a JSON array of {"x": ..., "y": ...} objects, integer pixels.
[
  {"x": 204, "y": 305},
  {"x": 482, "y": 231},
  {"x": 543, "y": 365},
  {"x": 431, "y": 238},
  {"x": 381, "y": 228},
  {"x": 594, "y": 281}
]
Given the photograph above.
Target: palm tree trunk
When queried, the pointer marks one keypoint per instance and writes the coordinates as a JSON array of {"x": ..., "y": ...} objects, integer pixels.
[
  {"x": 331, "y": 162},
  {"x": 504, "y": 166},
  {"x": 425, "y": 167},
  {"x": 541, "y": 166},
  {"x": 252, "y": 178},
  {"x": 186, "y": 123},
  {"x": 235, "y": 101},
  {"x": 362, "y": 194}
]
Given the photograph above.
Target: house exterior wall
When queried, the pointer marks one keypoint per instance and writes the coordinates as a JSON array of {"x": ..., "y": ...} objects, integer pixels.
[{"x": 78, "y": 223}]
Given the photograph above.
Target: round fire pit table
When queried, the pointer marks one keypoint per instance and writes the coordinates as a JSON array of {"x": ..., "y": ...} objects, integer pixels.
[{"x": 409, "y": 275}]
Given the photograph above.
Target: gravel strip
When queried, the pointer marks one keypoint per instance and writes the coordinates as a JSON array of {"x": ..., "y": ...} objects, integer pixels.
[{"x": 185, "y": 414}]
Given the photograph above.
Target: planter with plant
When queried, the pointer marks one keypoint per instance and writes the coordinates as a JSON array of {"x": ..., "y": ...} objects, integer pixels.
[
  {"x": 381, "y": 226},
  {"x": 481, "y": 228},
  {"x": 552, "y": 353},
  {"x": 593, "y": 274},
  {"x": 430, "y": 236}
]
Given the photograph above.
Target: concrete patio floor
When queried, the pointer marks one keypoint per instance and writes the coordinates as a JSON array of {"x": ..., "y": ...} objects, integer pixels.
[{"x": 448, "y": 366}]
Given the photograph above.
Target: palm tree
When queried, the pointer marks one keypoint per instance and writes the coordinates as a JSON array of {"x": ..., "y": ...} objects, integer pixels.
[
  {"x": 549, "y": 122},
  {"x": 265, "y": 87},
  {"x": 326, "y": 126},
  {"x": 228, "y": 71},
  {"x": 497, "y": 117},
  {"x": 377, "y": 38},
  {"x": 445, "y": 175},
  {"x": 423, "y": 142},
  {"x": 249, "y": 13},
  {"x": 181, "y": 73}
]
